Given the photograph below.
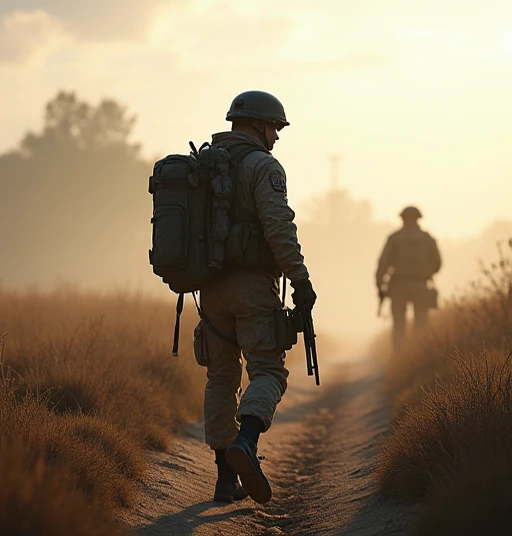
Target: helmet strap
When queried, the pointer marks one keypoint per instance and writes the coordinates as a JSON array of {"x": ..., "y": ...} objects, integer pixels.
[{"x": 262, "y": 135}]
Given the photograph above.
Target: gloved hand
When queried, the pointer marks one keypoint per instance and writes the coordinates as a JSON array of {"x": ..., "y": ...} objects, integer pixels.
[
  {"x": 304, "y": 295},
  {"x": 382, "y": 293}
]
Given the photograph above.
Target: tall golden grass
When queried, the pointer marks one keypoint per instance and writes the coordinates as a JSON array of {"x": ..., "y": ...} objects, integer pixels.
[
  {"x": 87, "y": 382},
  {"x": 451, "y": 403}
]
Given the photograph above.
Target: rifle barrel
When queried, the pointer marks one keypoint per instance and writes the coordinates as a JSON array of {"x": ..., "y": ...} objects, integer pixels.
[
  {"x": 310, "y": 345},
  {"x": 315, "y": 364}
]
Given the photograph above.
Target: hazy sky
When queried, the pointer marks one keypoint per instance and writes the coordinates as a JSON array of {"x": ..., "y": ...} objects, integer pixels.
[{"x": 414, "y": 95}]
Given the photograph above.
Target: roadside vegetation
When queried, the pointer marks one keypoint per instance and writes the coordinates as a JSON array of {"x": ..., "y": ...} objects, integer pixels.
[
  {"x": 87, "y": 384},
  {"x": 451, "y": 405}
]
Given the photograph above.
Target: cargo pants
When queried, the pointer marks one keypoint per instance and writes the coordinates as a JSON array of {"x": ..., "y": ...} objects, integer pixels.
[
  {"x": 240, "y": 306},
  {"x": 402, "y": 293}
]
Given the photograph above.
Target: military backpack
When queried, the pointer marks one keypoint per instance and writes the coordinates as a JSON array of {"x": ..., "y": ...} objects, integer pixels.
[
  {"x": 192, "y": 195},
  {"x": 191, "y": 198}
]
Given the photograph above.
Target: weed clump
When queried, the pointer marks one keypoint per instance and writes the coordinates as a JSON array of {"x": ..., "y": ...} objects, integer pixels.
[{"x": 39, "y": 500}]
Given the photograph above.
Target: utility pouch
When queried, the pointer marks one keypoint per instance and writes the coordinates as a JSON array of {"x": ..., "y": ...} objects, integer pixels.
[
  {"x": 286, "y": 334},
  {"x": 200, "y": 346},
  {"x": 246, "y": 245}
]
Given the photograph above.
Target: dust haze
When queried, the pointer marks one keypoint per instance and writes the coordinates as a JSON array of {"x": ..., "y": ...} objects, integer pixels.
[{"x": 75, "y": 210}]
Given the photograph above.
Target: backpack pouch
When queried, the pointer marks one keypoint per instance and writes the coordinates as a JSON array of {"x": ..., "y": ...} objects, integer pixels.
[
  {"x": 170, "y": 232},
  {"x": 200, "y": 346}
]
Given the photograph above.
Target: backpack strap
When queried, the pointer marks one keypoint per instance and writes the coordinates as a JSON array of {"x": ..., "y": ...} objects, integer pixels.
[
  {"x": 238, "y": 153},
  {"x": 179, "y": 310},
  {"x": 206, "y": 320}
]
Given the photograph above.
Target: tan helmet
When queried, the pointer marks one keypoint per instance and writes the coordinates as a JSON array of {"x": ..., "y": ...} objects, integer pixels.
[{"x": 410, "y": 212}]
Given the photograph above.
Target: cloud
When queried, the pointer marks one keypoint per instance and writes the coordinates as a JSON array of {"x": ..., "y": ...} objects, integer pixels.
[
  {"x": 94, "y": 20},
  {"x": 26, "y": 36},
  {"x": 222, "y": 34}
]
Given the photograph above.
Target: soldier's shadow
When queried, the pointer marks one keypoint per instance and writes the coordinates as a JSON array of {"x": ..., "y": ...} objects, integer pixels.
[{"x": 185, "y": 522}]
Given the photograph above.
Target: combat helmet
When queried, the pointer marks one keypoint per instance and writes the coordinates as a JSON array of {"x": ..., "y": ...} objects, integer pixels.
[
  {"x": 410, "y": 212},
  {"x": 256, "y": 104}
]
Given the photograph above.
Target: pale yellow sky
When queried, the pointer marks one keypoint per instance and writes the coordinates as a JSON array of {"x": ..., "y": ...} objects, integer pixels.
[{"x": 415, "y": 96}]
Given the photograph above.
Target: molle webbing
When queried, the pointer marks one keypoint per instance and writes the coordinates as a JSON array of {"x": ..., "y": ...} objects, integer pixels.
[{"x": 214, "y": 163}]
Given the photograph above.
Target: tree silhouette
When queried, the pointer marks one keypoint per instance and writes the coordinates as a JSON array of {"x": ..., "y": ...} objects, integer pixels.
[
  {"x": 73, "y": 197},
  {"x": 73, "y": 124}
]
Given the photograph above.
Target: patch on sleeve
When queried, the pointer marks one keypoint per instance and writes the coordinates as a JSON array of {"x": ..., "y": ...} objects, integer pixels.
[{"x": 278, "y": 182}]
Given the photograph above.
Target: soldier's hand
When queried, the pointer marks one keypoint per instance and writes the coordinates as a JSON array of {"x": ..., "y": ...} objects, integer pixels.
[
  {"x": 382, "y": 294},
  {"x": 304, "y": 295}
]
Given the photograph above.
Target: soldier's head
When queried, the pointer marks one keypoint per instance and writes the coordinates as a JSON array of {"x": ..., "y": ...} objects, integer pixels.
[
  {"x": 259, "y": 114},
  {"x": 410, "y": 215}
]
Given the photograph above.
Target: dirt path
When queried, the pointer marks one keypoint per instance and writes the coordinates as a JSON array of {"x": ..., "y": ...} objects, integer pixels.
[{"x": 320, "y": 459}]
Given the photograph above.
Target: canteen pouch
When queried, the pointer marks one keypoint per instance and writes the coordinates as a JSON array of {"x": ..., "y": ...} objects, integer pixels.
[
  {"x": 200, "y": 345},
  {"x": 286, "y": 334}
]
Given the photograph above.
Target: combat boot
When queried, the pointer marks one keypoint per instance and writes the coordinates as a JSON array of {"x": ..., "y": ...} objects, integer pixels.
[
  {"x": 242, "y": 457},
  {"x": 228, "y": 491},
  {"x": 227, "y": 487}
]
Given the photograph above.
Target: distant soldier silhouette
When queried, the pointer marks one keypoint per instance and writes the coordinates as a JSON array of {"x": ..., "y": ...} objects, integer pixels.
[
  {"x": 240, "y": 305},
  {"x": 408, "y": 261}
]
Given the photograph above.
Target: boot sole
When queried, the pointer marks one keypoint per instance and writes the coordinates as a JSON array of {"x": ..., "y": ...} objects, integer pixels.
[{"x": 255, "y": 484}]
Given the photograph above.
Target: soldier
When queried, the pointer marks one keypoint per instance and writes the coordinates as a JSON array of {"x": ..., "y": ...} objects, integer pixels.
[
  {"x": 239, "y": 305},
  {"x": 409, "y": 260}
]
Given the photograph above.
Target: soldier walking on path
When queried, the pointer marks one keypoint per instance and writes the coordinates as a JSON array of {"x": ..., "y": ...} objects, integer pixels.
[
  {"x": 408, "y": 261},
  {"x": 240, "y": 304}
]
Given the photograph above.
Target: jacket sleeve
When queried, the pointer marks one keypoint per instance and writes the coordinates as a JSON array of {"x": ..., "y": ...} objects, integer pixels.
[
  {"x": 434, "y": 256},
  {"x": 277, "y": 217},
  {"x": 385, "y": 262}
]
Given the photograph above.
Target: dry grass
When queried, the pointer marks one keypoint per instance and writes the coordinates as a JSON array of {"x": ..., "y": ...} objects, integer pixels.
[
  {"x": 107, "y": 355},
  {"x": 472, "y": 500},
  {"x": 451, "y": 401},
  {"x": 86, "y": 383},
  {"x": 39, "y": 501}
]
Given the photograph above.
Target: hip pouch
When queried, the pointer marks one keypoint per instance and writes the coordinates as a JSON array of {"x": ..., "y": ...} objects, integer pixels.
[
  {"x": 286, "y": 334},
  {"x": 200, "y": 346}
]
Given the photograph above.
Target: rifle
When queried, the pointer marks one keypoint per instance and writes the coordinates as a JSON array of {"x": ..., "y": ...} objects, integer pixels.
[
  {"x": 382, "y": 296},
  {"x": 303, "y": 321}
]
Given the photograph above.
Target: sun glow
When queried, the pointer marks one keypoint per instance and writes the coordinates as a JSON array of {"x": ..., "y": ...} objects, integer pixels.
[{"x": 507, "y": 42}]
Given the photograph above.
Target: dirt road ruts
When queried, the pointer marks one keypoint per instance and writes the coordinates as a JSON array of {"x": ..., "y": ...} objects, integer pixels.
[{"x": 319, "y": 457}]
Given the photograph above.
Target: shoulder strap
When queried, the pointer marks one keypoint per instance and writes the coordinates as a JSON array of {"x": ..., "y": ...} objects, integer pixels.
[{"x": 238, "y": 153}]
